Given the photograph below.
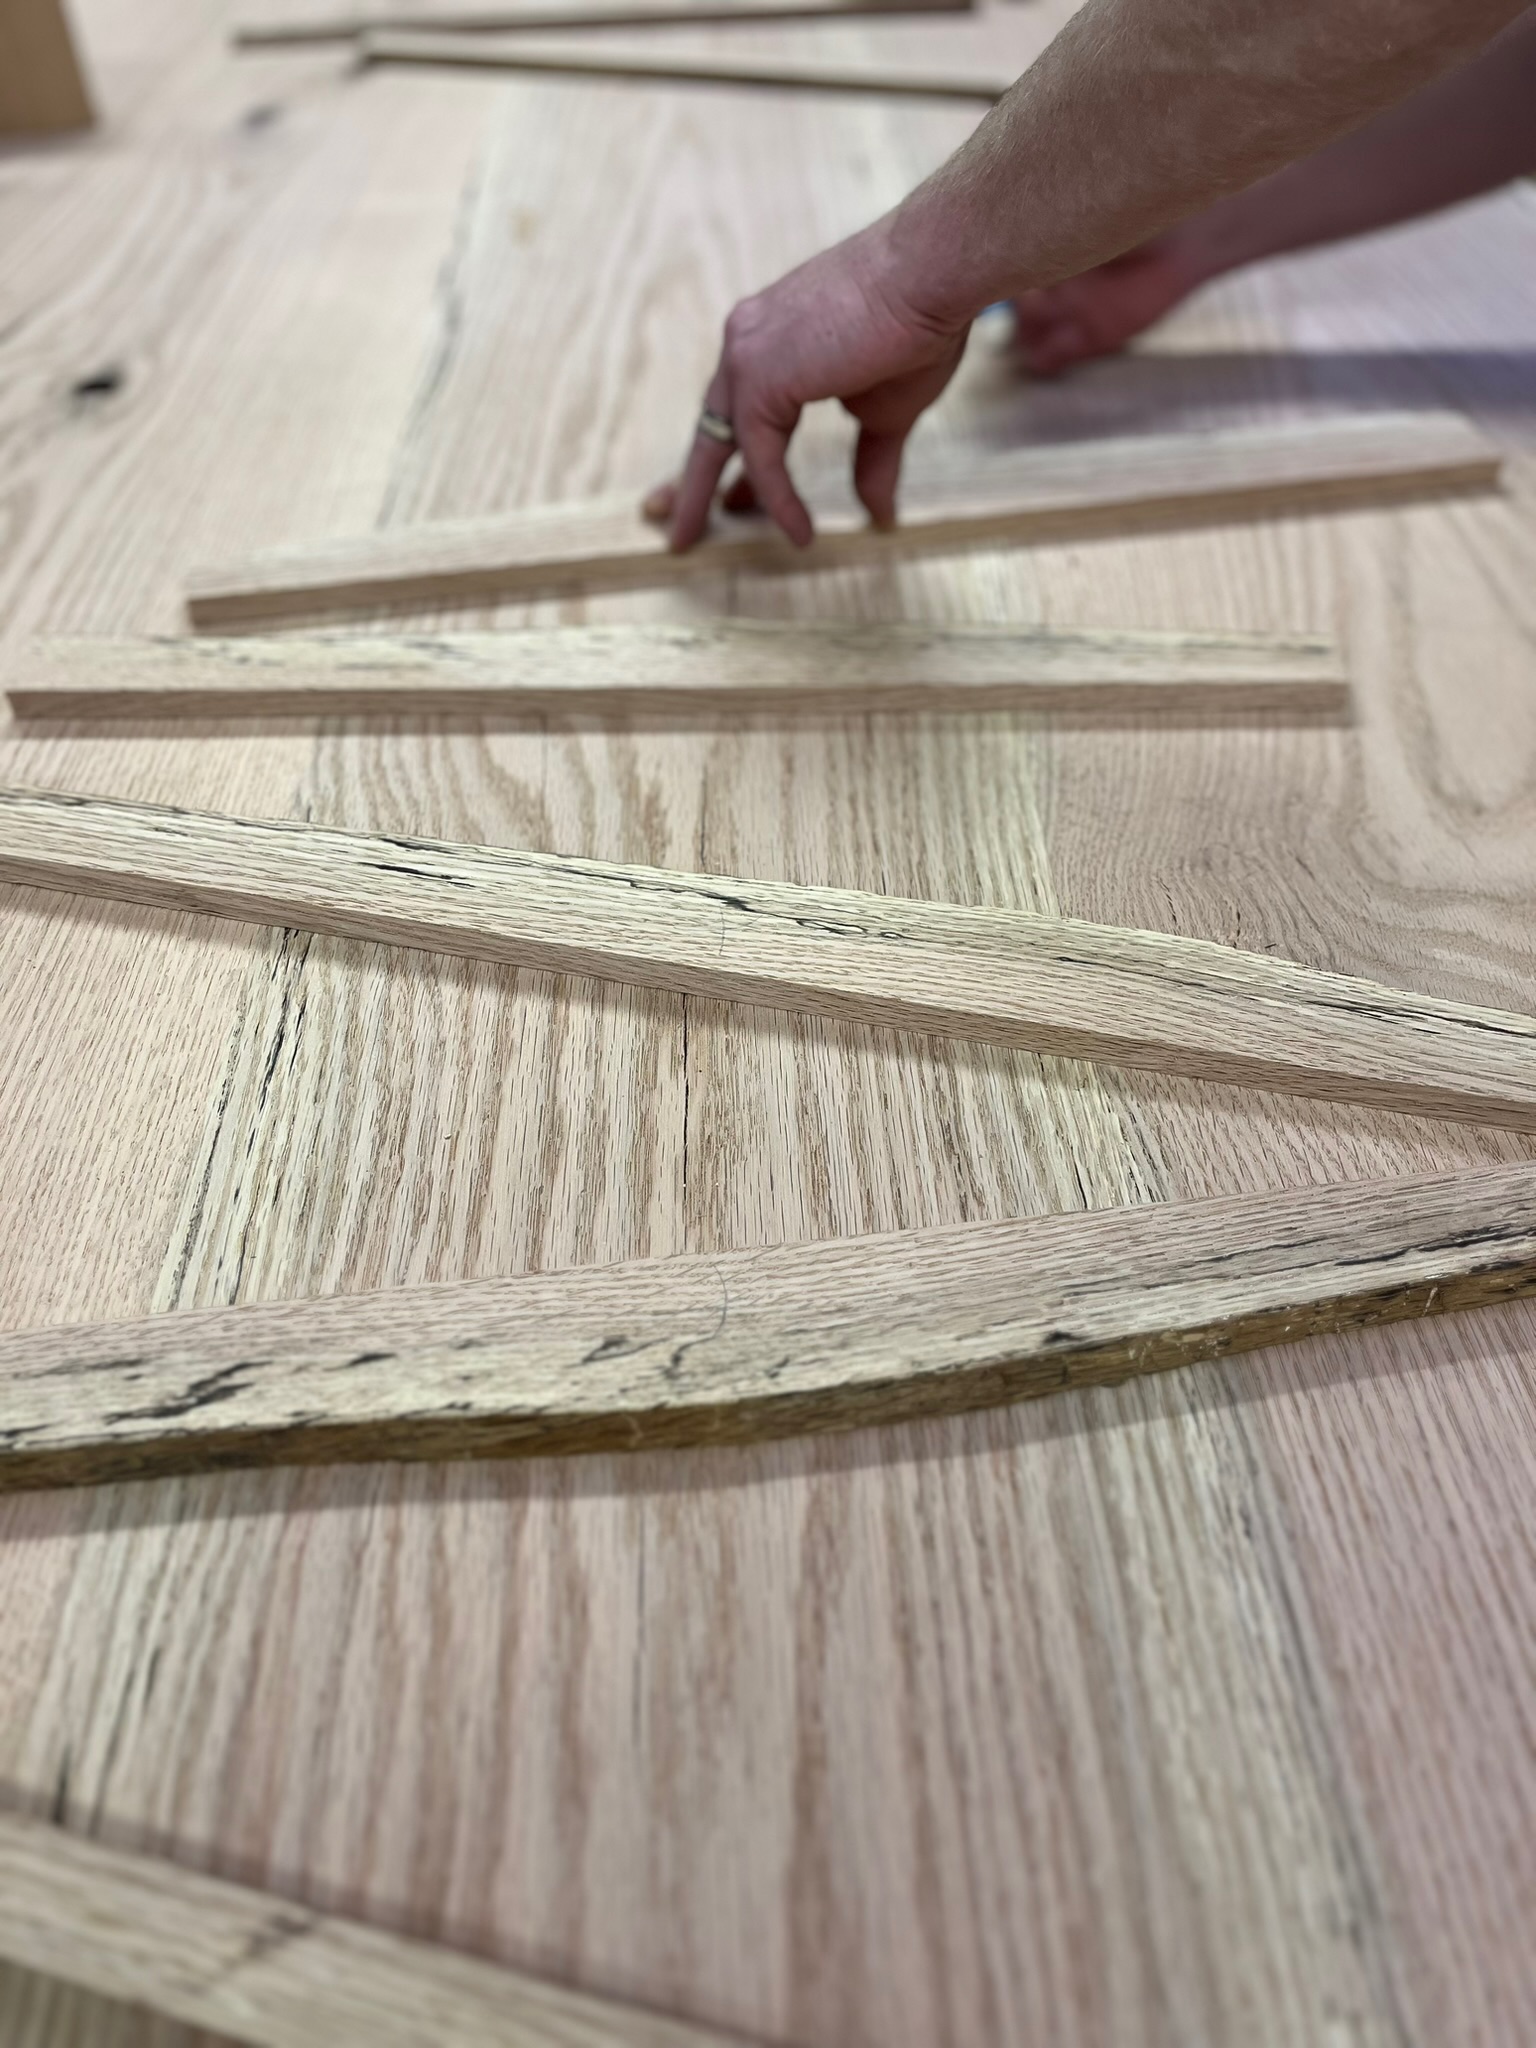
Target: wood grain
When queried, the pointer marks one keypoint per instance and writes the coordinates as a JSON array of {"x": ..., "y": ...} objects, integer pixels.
[
  {"x": 1054, "y": 985},
  {"x": 739, "y": 1346},
  {"x": 584, "y": 60},
  {"x": 1189, "y": 1710},
  {"x": 716, "y": 666},
  {"x": 299, "y": 26},
  {"x": 42, "y": 88},
  {"x": 265, "y": 1971},
  {"x": 1049, "y": 493}
]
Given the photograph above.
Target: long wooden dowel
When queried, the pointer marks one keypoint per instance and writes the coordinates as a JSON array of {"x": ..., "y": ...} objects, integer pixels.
[
  {"x": 1139, "y": 999},
  {"x": 1049, "y": 493},
  {"x": 649, "y": 670},
  {"x": 276, "y": 30},
  {"x": 259, "y": 1969},
  {"x": 740, "y": 1346},
  {"x": 579, "y": 60}
]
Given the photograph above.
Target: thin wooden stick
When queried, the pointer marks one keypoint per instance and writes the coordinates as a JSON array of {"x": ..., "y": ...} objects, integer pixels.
[
  {"x": 746, "y": 1345},
  {"x": 578, "y": 60},
  {"x": 260, "y": 1969},
  {"x": 275, "y": 31},
  {"x": 1139, "y": 999},
  {"x": 1050, "y": 493},
  {"x": 722, "y": 665}
]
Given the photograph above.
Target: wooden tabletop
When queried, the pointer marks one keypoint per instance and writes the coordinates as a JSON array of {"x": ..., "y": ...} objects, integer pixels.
[{"x": 1194, "y": 1711}]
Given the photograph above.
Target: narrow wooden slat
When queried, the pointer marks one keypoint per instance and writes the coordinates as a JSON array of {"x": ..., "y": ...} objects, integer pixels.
[
  {"x": 1050, "y": 493},
  {"x": 1139, "y": 999},
  {"x": 275, "y": 30},
  {"x": 260, "y": 1969},
  {"x": 578, "y": 60},
  {"x": 744, "y": 1345},
  {"x": 721, "y": 665}
]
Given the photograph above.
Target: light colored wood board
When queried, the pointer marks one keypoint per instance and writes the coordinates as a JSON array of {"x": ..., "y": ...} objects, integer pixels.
[
  {"x": 205, "y": 266},
  {"x": 643, "y": 1748},
  {"x": 734, "y": 1347},
  {"x": 301, "y": 26},
  {"x": 43, "y": 2012},
  {"x": 215, "y": 293},
  {"x": 1055, "y": 985},
  {"x": 1093, "y": 487},
  {"x": 1044, "y": 1724},
  {"x": 42, "y": 87},
  {"x": 268, "y": 1972},
  {"x": 584, "y": 60},
  {"x": 717, "y": 666},
  {"x": 1387, "y": 1467},
  {"x": 1400, "y": 1478}
]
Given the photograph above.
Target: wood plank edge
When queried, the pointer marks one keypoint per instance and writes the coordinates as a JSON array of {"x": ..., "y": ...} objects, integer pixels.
[
  {"x": 831, "y": 1409},
  {"x": 258, "y": 1967},
  {"x": 263, "y": 35},
  {"x": 383, "y": 46},
  {"x": 942, "y": 1015},
  {"x": 214, "y": 600},
  {"x": 1302, "y": 697}
]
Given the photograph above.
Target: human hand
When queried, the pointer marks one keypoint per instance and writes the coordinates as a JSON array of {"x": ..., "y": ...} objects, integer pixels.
[
  {"x": 1098, "y": 312},
  {"x": 841, "y": 326}
]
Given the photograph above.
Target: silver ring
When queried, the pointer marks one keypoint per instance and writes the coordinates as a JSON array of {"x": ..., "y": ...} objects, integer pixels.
[{"x": 717, "y": 428}]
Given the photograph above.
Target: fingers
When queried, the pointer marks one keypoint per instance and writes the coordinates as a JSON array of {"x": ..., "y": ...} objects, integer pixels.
[
  {"x": 659, "y": 504},
  {"x": 694, "y": 491},
  {"x": 763, "y": 449},
  {"x": 1048, "y": 332},
  {"x": 1054, "y": 347},
  {"x": 763, "y": 432},
  {"x": 876, "y": 473},
  {"x": 1033, "y": 314}
]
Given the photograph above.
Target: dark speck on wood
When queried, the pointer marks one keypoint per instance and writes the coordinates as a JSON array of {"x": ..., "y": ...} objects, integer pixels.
[{"x": 99, "y": 383}]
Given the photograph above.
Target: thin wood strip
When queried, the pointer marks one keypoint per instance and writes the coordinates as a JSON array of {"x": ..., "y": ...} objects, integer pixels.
[
  {"x": 578, "y": 60},
  {"x": 274, "y": 32},
  {"x": 262, "y": 1970},
  {"x": 721, "y": 665},
  {"x": 745, "y": 1345},
  {"x": 1050, "y": 493},
  {"x": 1055, "y": 985}
]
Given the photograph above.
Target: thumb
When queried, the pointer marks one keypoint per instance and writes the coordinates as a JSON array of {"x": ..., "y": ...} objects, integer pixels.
[{"x": 877, "y": 471}]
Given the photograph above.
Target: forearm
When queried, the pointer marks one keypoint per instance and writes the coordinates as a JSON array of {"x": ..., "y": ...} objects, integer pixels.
[
  {"x": 1468, "y": 133},
  {"x": 1142, "y": 112}
]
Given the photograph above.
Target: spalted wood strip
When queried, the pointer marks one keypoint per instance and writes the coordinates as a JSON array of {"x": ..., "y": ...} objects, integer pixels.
[
  {"x": 1048, "y": 493},
  {"x": 275, "y": 30},
  {"x": 664, "y": 669},
  {"x": 579, "y": 60},
  {"x": 745, "y": 1345},
  {"x": 1054, "y": 985},
  {"x": 260, "y": 1969}
]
